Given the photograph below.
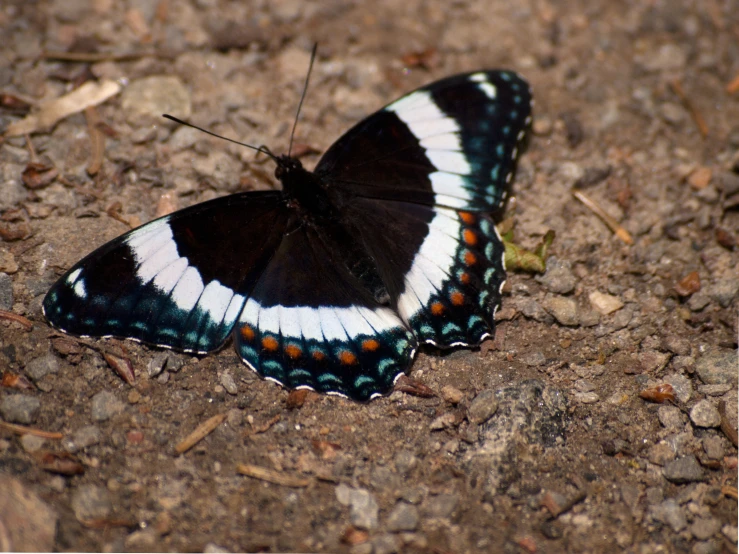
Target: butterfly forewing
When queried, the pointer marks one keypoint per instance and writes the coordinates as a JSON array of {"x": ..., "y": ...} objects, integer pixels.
[
  {"x": 455, "y": 140},
  {"x": 179, "y": 281}
]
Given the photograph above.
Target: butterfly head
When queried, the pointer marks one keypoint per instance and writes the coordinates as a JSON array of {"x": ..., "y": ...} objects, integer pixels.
[{"x": 287, "y": 166}]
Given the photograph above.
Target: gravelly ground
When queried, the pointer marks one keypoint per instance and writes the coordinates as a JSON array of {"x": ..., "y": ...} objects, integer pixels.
[{"x": 574, "y": 347}]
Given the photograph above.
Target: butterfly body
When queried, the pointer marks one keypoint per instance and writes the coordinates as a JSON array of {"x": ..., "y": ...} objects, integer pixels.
[{"x": 332, "y": 282}]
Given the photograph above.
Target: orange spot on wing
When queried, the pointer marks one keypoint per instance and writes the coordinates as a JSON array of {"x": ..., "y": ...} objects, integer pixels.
[
  {"x": 470, "y": 258},
  {"x": 457, "y": 298},
  {"x": 347, "y": 358},
  {"x": 370, "y": 345},
  {"x": 247, "y": 333},
  {"x": 467, "y": 217},
  {"x": 464, "y": 278},
  {"x": 437, "y": 308},
  {"x": 318, "y": 355},
  {"x": 270, "y": 343},
  {"x": 469, "y": 237},
  {"x": 293, "y": 351}
]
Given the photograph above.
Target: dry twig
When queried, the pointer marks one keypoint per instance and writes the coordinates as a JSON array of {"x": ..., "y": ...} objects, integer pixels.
[
  {"x": 200, "y": 432},
  {"x": 613, "y": 225}
]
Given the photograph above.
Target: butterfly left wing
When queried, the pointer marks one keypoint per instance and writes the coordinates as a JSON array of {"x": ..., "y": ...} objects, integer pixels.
[
  {"x": 454, "y": 142},
  {"x": 179, "y": 281}
]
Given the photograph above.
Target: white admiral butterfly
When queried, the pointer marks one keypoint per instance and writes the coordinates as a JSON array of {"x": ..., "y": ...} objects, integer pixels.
[{"x": 332, "y": 282}]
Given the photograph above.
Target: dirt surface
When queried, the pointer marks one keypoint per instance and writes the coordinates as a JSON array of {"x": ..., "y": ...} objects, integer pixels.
[{"x": 572, "y": 460}]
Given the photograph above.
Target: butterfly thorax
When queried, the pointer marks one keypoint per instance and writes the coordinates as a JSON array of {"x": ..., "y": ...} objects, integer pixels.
[{"x": 303, "y": 189}]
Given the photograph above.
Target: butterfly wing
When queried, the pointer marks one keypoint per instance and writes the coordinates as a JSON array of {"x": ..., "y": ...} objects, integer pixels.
[
  {"x": 453, "y": 143},
  {"x": 417, "y": 179},
  {"x": 309, "y": 322},
  {"x": 443, "y": 268},
  {"x": 179, "y": 281}
]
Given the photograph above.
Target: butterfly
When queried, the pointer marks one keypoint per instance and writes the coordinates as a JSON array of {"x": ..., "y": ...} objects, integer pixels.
[{"x": 333, "y": 282}]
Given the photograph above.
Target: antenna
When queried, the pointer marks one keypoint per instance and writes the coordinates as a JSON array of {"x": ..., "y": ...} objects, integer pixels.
[
  {"x": 262, "y": 149},
  {"x": 302, "y": 96}
]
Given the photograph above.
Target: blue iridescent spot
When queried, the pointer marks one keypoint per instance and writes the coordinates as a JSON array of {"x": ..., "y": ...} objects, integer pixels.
[
  {"x": 517, "y": 99},
  {"x": 500, "y": 150},
  {"x": 401, "y": 345},
  {"x": 450, "y": 328},
  {"x": 513, "y": 114},
  {"x": 383, "y": 366},
  {"x": 274, "y": 368},
  {"x": 505, "y": 76},
  {"x": 362, "y": 380},
  {"x": 328, "y": 377},
  {"x": 495, "y": 172}
]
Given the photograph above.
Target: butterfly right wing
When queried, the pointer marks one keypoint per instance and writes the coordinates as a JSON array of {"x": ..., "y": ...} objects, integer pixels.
[
  {"x": 453, "y": 143},
  {"x": 180, "y": 281}
]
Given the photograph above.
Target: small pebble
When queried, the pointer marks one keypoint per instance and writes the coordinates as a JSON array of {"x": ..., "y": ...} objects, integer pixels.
[
  {"x": 405, "y": 461},
  {"x": 444, "y": 421},
  {"x": 661, "y": 453},
  {"x": 229, "y": 383},
  {"x": 105, "y": 405},
  {"x": 714, "y": 447},
  {"x": 670, "y": 513},
  {"x": 451, "y": 394},
  {"x": 558, "y": 277},
  {"x": 40, "y": 367},
  {"x": 705, "y": 414},
  {"x": 385, "y": 544},
  {"x": 364, "y": 511},
  {"x": 704, "y": 528},
  {"x": 91, "y": 502},
  {"x": 717, "y": 366},
  {"x": 20, "y": 408},
  {"x": 682, "y": 386},
  {"x": 441, "y": 506},
  {"x": 730, "y": 532},
  {"x": 483, "y": 407},
  {"x": 32, "y": 443},
  {"x": 586, "y": 397},
  {"x": 604, "y": 303},
  {"x": 6, "y": 292},
  {"x": 564, "y": 310},
  {"x": 671, "y": 417},
  {"x": 714, "y": 390},
  {"x": 404, "y": 517},
  {"x": 684, "y": 470}
]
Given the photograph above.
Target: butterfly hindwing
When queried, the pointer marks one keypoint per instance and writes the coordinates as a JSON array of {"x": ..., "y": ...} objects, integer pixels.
[
  {"x": 177, "y": 281},
  {"x": 443, "y": 267},
  {"x": 309, "y": 324},
  {"x": 455, "y": 140}
]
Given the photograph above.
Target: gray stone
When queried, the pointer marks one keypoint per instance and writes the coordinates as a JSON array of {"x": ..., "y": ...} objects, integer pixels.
[
  {"x": 682, "y": 385},
  {"x": 714, "y": 447},
  {"x": 668, "y": 57},
  {"x": 404, "y": 517},
  {"x": 32, "y": 443},
  {"x": 604, "y": 303},
  {"x": 714, "y": 390},
  {"x": 91, "y": 502},
  {"x": 534, "y": 358},
  {"x": 383, "y": 478},
  {"x": 531, "y": 309},
  {"x": 705, "y": 547},
  {"x": 6, "y": 292},
  {"x": 676, "y": 345},
  {"x": 405, "y": 461},
  {"x": 228, "y": 382},
  {"x": 564, "y": 310},
  {"x": 723, "y": 291},
  {"x": 363, "y": 508},
  {"x": 730, "y": 532},
  {"x": 705, "y": 414},
  {"x": 144, "y": 100},
  {"x": 670, "y": 513},
  {"x": 718, "y": 366},
  {"x": 483, "y": 407},
  {"x": 698, "y": 301},
  {"x": 586, "y": 397},
  {"x": 20, "y": 408},
  {"x": 42, "y": 366},
  {"x": 385, "y": 544},
  {"x": 671, "y": 417},
  {"x": 558, "y": 277},
  {"x": 105, "y": 405},
  {"x": 441, "y": 505},
  {"x": 704, "y": 528},
  {"x": 86, "y": 436},
  {"x": 660, "y": 453},
  {"x": 684, "y": 470}
]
